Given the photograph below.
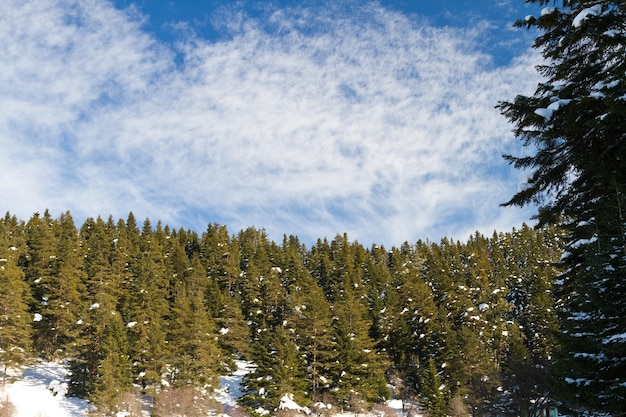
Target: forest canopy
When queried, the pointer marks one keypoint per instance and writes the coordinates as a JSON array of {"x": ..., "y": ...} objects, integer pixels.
[{"x": 148, "y": 308}]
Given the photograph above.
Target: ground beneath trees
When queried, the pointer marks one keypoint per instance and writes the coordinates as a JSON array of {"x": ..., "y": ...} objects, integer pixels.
[{"x": 40, "y": 392}]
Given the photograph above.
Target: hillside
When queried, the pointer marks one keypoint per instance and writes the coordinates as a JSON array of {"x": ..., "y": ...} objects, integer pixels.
[
  {"x": 161, "y": 314},
  {"x": 45, "y": 382}
]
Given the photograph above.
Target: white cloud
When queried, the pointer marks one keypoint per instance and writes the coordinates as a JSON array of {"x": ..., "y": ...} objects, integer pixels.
[{"x": 312, "y": 123}]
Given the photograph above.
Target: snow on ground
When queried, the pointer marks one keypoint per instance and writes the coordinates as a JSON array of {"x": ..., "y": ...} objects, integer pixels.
[
  {"x": 231, "y": 385},
  {"x": 40, "y": 392},
  {"x": 395, "y": 405}
]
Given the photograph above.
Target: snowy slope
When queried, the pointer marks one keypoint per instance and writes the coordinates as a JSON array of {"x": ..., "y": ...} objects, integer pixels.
[
  {"x": 40, "y": 392},
  {"x": 231, "y": 386}
]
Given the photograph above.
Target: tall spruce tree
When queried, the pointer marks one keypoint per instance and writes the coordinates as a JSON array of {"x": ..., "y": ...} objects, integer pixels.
[
  {"x": 434, "y": 397},
  {"x": 114, "y": 376},
  {"x": 195, "y": 357},
  {"x": 376, "y": 278},
  {"x": 575, "y": 123},
  {"x": 308, "y": 317},
  {"x": 408, "y": 318},
  {"x": 15, "y": 320},
  {"x": 68, "y": 293},
  {"x": 279, "y": 371},
  {"x": 54, "y": 271},
  {"x": 220, "y": 260},
  {"x": 320, "y": 265},
  {"x": 234, "y": 332},
  {"x": 359, "y": 370},
  {"x": 41, "y": 244},
  {"x": 312, "y": 319},
  {"x": 148, "y": 308},
  {"x": 526, "y": 261},
  {"x": 100, "y": 368}
]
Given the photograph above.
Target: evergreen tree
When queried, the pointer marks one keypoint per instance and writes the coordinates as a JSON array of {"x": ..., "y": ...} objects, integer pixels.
[
  {"x": 522, "y": 378},
  {"x": 41, "y": 244},
  {"x": 15, "y": 233},
  {"x": 376, "y": 278},
  {"x": 148, "y": 308},
  {"x": 575, "y": 122},
  {"x": 98, "y": 242},
  {"x": 320, "y": 265},
  {"x": 446, "y": 274},
  {"x": 123, "y": 257},
  {"x": 289, "y": 375},
  {"x": 132, "y": 233},
  {"x": 190, "y": 241},
  {"x": 481, "y": 333},
  {"x": 114, "y": 376},
  {"x": 15, "y": 320},
  {"x": 312, "y": 319},
  {"x": 359, "y": 368},
  {"x": 176, "y": 259},
  {"x": 55, "y": 273},
  {"x": 443, "y": 349},
  {"x": 279, "y": 371},
  {"x": 234, "y": 332},
  {"x": 346, "y": 273},
  {"x": 68, "y": 291},
  {"x": 256, "y": 385},
  {"x": 85, "y": 364},
  {"x": 220, "y": 260},
  {"x": 473, "y": 369},
  {"x": 409, "y": 318},
  {"x": 195, "y": 359},
  {"x": 434, "y": 396},
  {"x": 263, "y": 296},
  {"x": 523, "y": 263},
  {"x": 102, "y": 345},
  {"x": 531, "y": 261},
  {"x": 465, "y": 340}
]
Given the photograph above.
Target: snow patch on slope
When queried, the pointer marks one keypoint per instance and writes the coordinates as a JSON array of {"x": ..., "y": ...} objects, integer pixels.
[
  {"x": 230, "y": 386},
  {"x": 40, "y": 391}
]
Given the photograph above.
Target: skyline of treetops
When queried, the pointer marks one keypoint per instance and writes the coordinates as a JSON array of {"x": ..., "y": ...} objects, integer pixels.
[{"x": 150, "y": 309}]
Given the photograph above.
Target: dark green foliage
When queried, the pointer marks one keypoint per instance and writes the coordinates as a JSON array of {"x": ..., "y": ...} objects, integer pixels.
[
  {"x": 55, "y": 271},
  {"x": 434, "y": 391},
  {"x": 114, "y": 376},
  {"x": 194, "y": 354},
  {"x": 359, "y": 367},
  {"x": 220, "y": 257},
  {"x": 334, "y": 323},
  {"x": 524, "y": 378},
  {"x": 312, "y": 326},
  {"x": 102, "y": 291},
  {"x": 234, "y": 332},
  {"x": 147, "y": 310},
  {"x": 408, "y": 316},
  {"x": 15, "y": 319},
  {"x": 575, "y": 125},
  {"x": 279, "y": 371}
]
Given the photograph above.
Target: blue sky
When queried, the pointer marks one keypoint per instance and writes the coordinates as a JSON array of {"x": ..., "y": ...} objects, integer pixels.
[{"x": 307, "y": 118}]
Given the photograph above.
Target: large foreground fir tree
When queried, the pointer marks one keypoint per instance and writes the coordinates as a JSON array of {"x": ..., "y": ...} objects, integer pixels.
[{"x": 575, "y": 126}]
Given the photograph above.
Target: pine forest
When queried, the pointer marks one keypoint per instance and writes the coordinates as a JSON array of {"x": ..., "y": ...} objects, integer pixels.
[
  {"x": 148, "y": 310},
  {"x": 518, "y": 323}
]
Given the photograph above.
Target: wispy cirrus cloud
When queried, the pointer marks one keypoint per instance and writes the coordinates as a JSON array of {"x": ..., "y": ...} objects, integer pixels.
[{"x": 307, "y": 121}]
